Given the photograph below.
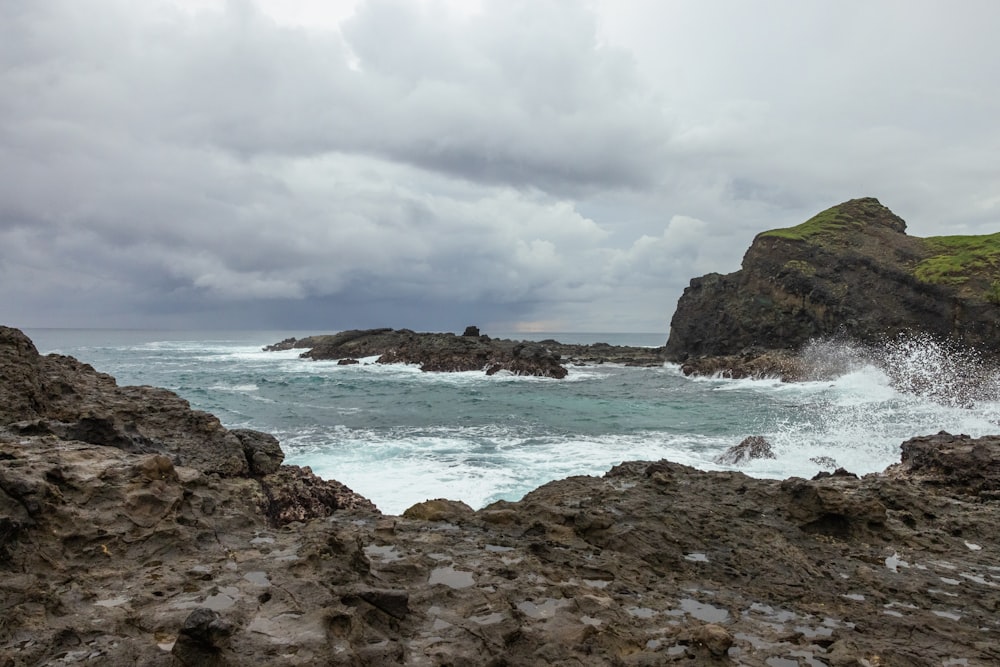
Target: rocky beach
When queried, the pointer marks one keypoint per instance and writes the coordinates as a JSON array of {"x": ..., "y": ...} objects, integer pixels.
[{"x": 134, "y": 529}]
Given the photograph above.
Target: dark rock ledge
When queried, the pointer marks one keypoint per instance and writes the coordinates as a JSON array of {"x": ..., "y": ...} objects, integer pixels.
[
  {"x": 446, "y": 352},
  {"x": 134, "y": 530}
]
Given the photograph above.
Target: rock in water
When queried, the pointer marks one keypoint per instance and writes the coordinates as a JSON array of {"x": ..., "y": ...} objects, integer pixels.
[{"x": 752, "y": 447}]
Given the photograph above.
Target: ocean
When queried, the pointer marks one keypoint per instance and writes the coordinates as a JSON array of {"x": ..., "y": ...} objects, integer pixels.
[{"x": 399, "y": 436}]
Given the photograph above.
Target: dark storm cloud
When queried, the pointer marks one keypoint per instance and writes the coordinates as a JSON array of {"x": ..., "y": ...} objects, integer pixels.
[{"x": 563, "y": 164}]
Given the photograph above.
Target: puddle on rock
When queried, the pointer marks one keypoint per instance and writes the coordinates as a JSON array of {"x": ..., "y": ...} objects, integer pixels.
[
  {"x": 641, "y": 612},
  {"x": 257, "y": 578},
  {"x": 496, "y": 548},
  {"x": 488, "y": 619},
  {"x": 451, "y": 577},
  {"x": 112, "y": 602},
  {"x": 947, "y": 614},
  {"x": 696, "y": 557},
  {"x": 546, "y": 609},
  {"x": 894, "y": 562},
  {"x": 224, "y": 599},
  {"x": 701, "y": 611},
  {"x": 387, "y": 553}
]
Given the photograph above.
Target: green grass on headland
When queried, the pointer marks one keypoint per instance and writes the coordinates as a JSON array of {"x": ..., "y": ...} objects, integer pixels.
[
  {"x": 956, "y": 259},
  {"x": 830, "y": 221}
]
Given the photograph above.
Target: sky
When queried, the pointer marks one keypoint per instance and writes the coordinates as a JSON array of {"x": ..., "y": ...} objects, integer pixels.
[{"x": 520, "y": 165}]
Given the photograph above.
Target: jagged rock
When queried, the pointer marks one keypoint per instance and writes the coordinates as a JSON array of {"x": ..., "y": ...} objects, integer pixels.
[
  {"x": 262, "y": 450},
  {"x": 954, "y": 462},
  {"x": 752, "y": 447},
  {"x": 471, "y": 331},
  {"x": 850, "y": 271},
  {"x": 280, "y": 346},
  {"x": 294, "y": 493},
  {"x": 446, "y": 352}
]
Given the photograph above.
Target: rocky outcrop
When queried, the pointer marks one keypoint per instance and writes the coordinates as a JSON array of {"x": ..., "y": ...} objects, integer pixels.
[
  {"x": 850, "y": 271},
  {"x": 113, "y": 556},
  {"x": 446, "y": 352},
  {"x": 752, "y": 447}
]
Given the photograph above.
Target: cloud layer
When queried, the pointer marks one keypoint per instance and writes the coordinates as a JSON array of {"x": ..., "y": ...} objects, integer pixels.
[{"x": 216, "y": 164}]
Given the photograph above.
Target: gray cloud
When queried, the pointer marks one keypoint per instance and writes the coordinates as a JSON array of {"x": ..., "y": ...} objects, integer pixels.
[{"x": 552, "y": 164}]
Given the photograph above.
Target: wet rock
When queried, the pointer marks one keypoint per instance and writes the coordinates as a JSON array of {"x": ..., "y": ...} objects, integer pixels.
[
  {"x": 753, "y": 363},
  {"x": 955, "y": 462},
  {"x": 713, "y": 637},
  {"x": 833, "y": 510},
  {"x": 201, "y": 639},
  {"x": 286, "y": 344},
  {"x": 752, "y": 447},
  {"x": 472, "y": 351},
  {"x": 439, "y": 509},
  {"x": 263, "y": 453},
  {"x": 294, "y": 493},
  {"x": 392, "y": 601}
]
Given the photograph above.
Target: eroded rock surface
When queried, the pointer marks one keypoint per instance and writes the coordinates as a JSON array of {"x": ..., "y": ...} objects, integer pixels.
[{"x": 111, "y": 556}]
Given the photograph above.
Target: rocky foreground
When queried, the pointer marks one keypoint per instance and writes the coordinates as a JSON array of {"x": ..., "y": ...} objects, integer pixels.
[
  {"x": 134, "y": 530},
  {"x": 472, "y": 351}
]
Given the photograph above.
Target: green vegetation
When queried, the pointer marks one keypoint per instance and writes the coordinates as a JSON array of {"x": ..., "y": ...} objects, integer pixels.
[
  {"x": 993, "y": 293},
  {"x": 829, "y": 221},
  {"x": 957, "y": 259}
]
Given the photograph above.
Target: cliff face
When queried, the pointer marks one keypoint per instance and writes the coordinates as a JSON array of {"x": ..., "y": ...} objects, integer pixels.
[{"x": 851, "y": 270}]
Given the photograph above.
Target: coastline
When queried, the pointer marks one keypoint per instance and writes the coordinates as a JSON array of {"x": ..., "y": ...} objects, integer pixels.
[{"x": 174, "y": 560}]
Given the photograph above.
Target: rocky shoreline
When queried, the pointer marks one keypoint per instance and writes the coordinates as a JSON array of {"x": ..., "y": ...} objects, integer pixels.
[
  {"x": 135, "y": 530},
  {"x": 472, "y": 351}
]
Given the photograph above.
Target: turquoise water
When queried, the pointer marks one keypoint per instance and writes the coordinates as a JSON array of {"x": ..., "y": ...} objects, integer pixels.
[{"x": 399, "y": 436}]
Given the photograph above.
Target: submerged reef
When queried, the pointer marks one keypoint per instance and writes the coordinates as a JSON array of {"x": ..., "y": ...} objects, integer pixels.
[{"x": 134, "y": 530}]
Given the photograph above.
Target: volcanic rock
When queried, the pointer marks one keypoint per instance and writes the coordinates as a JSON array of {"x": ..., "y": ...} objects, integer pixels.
[
  {"x": 850, "y": 271},
  {"x": 113, "y": 556},
  {"x": 752, "y": 447},
  {"x": 472, "y": 351}
]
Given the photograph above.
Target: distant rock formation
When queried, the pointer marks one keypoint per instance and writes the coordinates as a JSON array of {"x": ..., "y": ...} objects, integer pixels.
[
  {"x": 850, "y": 271},
  {"x": 472, "y": 351}
]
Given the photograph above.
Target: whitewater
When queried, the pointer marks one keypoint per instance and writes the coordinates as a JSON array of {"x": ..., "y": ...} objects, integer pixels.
[{"x": 399, "y": 436}]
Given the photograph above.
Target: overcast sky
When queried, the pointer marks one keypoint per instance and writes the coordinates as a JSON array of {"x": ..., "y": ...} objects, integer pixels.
[{"x": 520, "y": 165}]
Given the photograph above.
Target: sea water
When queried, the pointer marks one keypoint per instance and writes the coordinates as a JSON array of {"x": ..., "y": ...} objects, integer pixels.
[{"x": 399, "y": 436}]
